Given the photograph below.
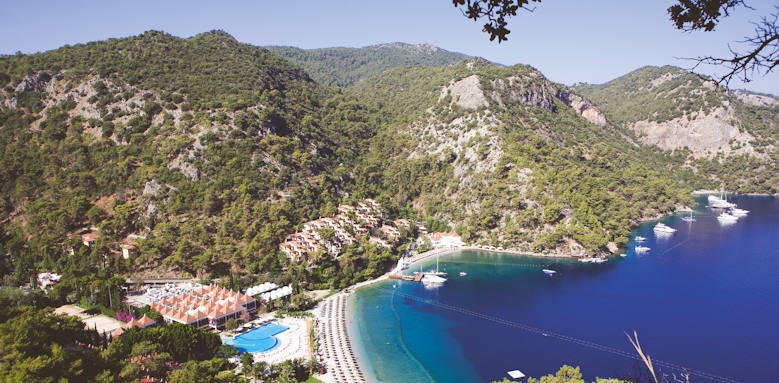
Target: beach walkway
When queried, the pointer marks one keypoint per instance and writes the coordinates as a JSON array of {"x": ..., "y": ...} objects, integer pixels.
[{"x": 334, "y": 348}]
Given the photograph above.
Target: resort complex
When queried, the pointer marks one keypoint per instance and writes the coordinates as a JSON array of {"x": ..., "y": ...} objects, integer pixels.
[
  {"x": 332, "y": 234},
  {"x": 206, "y": 306}
]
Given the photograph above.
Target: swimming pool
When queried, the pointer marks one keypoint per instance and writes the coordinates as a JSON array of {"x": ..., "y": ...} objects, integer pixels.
[{"x": 258, "y": 339}]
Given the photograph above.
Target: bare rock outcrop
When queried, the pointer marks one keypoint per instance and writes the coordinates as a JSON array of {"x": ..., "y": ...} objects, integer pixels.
[
  {"x": 466, "y": 93},
  {"x": 756, "y": 99},
  {"x": 704, "y": 134},
  {"x": 584, "y": 108},
  {"x": 34, "y": 83},
  {"x": 529, "y": 90}
]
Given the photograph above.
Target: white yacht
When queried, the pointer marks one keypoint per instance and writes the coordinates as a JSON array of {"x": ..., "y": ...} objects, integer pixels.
[
  {"x": 738, "y": 212},
  {"x": 432, "y": 279},
  {"x": 720, "y": 202},
  {"x": 727, "y": 218},
  {"x": 663, "y": 228},
  {"x": 549, "y": 272},
  {"x": 641, "y": 249},
  {"x": 640, "y": 238}
]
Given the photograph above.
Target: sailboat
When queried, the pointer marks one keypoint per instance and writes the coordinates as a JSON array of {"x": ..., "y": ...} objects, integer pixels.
[
  {"x": 720, "y": 202},
  {"x": 436, "y": 272},
  {"x": 689, "y": 218}
]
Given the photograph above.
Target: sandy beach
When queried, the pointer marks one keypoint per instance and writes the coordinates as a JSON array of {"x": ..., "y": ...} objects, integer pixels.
[{"x": 334, "y": 346}]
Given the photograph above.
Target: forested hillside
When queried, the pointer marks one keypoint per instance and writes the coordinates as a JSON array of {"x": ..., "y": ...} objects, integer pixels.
[
  {"x": 346, "y": 66},
  {"x": 730, "y": 136},
  {"x": 502, "y": 155},
  {"x": 204, "y": 151}
]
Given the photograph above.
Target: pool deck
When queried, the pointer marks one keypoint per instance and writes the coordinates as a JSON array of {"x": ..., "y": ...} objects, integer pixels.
[{"x": 293, "y": 343}]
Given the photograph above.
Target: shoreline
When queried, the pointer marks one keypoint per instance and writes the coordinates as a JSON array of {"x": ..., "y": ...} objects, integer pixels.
[
  {"x": 359, "y": 358},
  {"x": 706, "y": 192},
  {"x": 339, "y": 366}
]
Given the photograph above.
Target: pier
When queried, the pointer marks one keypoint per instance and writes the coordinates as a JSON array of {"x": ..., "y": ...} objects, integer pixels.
[{"x": 416, "y": 277}]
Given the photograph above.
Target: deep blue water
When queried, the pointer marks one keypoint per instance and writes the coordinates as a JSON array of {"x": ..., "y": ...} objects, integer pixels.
[{"x": 707, "y": 298}]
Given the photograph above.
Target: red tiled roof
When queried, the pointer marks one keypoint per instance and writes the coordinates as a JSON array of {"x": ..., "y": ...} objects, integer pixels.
[
  {"x": 90, "y": 237},
  {"x": 208, "y": 302}
]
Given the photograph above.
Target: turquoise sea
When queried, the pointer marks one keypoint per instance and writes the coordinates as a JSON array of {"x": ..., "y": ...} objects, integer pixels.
[{"x": 704, "y": 300}]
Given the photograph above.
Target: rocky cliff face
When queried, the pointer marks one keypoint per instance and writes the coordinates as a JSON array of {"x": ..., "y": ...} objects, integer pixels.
[
  {"x": 756, "y": 99},
  {"x": 705, "y": 134},
  {"x": 585, "y": 108},
  {"x": 531, "y": 90},
  {"x": 673, "y": 109}
]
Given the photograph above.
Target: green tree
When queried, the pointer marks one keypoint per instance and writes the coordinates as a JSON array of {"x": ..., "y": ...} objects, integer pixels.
[
  {"x": 231, "y": 324},
  {"x": 247, "y": 364},
  {"x": 566, "y": 374}
]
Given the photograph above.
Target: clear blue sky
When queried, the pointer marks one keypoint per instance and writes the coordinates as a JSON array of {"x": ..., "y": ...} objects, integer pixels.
[{"x": 568, "y": 40}]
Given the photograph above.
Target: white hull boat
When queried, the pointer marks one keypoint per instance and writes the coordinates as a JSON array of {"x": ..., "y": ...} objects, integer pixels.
[{"x": 663, "y": 228}]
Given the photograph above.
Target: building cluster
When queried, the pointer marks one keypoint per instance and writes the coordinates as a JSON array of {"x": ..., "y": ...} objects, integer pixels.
[
  {"x": 445, "y": 240},
  {"x": 332, "y": 234},
  {"x": 205, "y": 306},
  {"x": 141, "y": 322},
  {"x": 127, "y": 247}
]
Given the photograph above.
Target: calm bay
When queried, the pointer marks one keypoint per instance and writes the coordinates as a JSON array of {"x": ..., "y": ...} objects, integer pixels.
[{"x": 704, "y": 299}]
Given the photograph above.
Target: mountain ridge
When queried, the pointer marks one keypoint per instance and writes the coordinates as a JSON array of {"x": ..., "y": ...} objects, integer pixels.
[
  {"x": 501, "y": 154},
  {"x": 343, "y": 67}
]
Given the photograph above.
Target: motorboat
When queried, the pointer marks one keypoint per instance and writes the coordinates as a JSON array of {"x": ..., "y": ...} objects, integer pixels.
[
  {"x": 463, "y": 273},
  {"x": 642, "y": 249},
  {"x": 727, "y": 218},
  {"x": 640, "y": 238},
  {"x": 663, "y": 228},
  {"x": 549, "y": 272},
  {"x": 738, "y": 212}
]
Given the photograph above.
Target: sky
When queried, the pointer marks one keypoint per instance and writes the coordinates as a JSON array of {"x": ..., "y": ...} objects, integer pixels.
[{"x": 569, "y": 41}]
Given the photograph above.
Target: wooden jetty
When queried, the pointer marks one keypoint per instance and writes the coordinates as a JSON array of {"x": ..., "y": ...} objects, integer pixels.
[{"x": 416, "y": 277}]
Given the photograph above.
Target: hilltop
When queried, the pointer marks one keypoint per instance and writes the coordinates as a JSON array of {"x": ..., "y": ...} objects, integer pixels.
[{"x": 344, "y": 67}]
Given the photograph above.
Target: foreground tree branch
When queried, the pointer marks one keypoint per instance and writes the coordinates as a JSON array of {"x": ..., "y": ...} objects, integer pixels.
[
  {"x": 496, "y": 11},
  {"x": 758, "y": 56},
  {"x": 692, "y": 15}
]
